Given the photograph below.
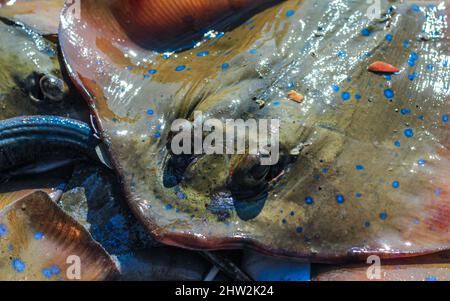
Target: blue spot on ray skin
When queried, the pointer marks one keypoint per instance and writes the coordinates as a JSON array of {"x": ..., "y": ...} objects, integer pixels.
[
  {"x": 359, "y": 167},
  {"x": 309, "y": 200},
  {"x": 152, "y": 71},
  {"x": 365, "y": 32},
  {"x": 389, "y": 93},
  {"x": 47, "y": 273},
  {"x": 3, "y": 230},
  {"x": 395, "y": 184},
  {"x": 409, "y": 133},
  {"x": 346, "y": 96},
  {"x": 18, "y": 265},
  {"x": 180, "y": 68},
  {"x": 342, "y": 54},
  {"x": 225, "y": 66},
  {"x": 405, "y": 111},
  {"x": 383, "y": 216},
  {"x": 203, "y": 53},
  {"x": 412, "y": 76},
  {"x": 415, "y": 8},
  {"x": 445, "y": 118},
  {"x": 422, "y": 162},
  {"x": 181, "y": 195},
  {"x": 290, "y": 13},
  {"x": 38, "y": 235},
  {"x": 431, "y": 278},
  {"x": 413, "y": 57},
  {"x": 54, "y": 270},
  {"x": 340, "y": 199}
]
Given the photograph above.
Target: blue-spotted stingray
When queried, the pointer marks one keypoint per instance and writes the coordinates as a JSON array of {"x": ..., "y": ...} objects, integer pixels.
[{"x": 364, "y": 157}]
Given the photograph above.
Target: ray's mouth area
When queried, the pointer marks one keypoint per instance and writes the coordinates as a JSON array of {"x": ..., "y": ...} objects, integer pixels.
[{"x": 246, "y": 187}]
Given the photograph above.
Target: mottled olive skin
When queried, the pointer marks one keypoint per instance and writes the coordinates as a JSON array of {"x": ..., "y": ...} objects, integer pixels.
[
  {"x": 353, "y": 180},
  {"x": 31, "y": 79}
]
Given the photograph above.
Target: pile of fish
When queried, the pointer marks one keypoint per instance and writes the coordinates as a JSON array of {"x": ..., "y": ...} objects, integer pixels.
[{"x": 90, "y": 188}]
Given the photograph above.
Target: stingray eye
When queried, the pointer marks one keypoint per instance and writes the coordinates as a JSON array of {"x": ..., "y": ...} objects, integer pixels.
[
  {"x": 31, "y": 86},
  {"x": 53, "y": 88},
  {"x": 41, "y": 87},
  {"x": 172, "y": 25}
]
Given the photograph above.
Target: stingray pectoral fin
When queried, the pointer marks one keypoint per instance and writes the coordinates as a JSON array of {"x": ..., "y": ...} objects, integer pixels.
[
  {"x": 43, "y": 243},
  {"x": 7, "y": 198}
]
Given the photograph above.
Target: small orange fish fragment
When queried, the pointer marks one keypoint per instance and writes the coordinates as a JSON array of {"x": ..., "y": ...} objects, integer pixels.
[
  {"x": 382, "y": 67},
  {"x": 294, "y": 96}
]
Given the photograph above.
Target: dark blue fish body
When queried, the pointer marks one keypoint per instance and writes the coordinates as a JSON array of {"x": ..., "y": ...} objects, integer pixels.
[{"x": 25, "y": 140}]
